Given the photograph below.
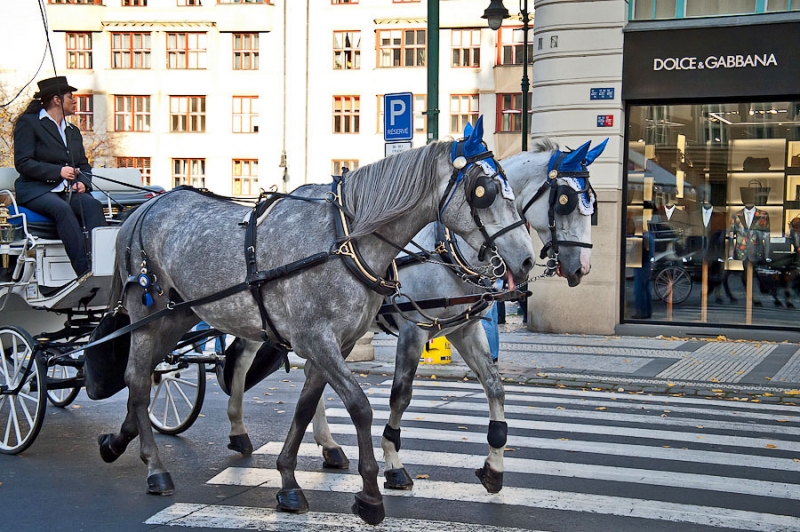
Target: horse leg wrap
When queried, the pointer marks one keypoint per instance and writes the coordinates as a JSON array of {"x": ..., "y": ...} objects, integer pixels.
[
  {"x": 107, "y": 453},
  {"x": 335, "y": 458},
  {"x": 292, "y": 501},
  {"x": 492, "y": 480},
  {"x": 241, "y": 444},
  {"x": 393, "y": 435},
  {"x": 498, "y": 434},
  {"x": 371, "y": 513},
  {"x": 160, "y": 484}
]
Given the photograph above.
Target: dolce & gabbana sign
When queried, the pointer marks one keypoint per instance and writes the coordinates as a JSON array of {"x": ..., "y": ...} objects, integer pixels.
[{"x": 756, "y": 60}]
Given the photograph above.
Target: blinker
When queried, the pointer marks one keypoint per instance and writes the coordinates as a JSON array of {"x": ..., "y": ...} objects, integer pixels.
[
  {"x": 566, "y": 200},
  {"x": 484, "y": 193}
]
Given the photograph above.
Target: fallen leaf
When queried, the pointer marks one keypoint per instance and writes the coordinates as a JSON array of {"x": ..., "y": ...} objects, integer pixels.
[
  {"x": 362, "y": 374},
  {"x": 286, "y": 380},
  {"x": 716, "y": 390},
  {"x": 563, "y": 439},
  {"x": 273, "y": 388},
  {"x": 699, "y": 426},
  {"x": 782, "y": 420},
  {"x": 560, "y": 408},
  {"x": 423, "y": 477},
  {"x": 620, "y": 389},
  {"x": 76, "y": 406},
  {"x": 329, "y": 398},
  {"x": 510, "y": 449},
  {"x": 771, "y": 446},
  {"x": 792, "y": 392},
  {"x": 267, "y": 393},
  {"x": 767, "y": 394},
  {"x": 601, "y": 408},
  {"x": 433, "y": 377},
  {"x": 463, "y": 428},
  {"x": 281, "y": 411},
  {"x": 714, "y": 380},
  {"x": 795, "y": 459}
]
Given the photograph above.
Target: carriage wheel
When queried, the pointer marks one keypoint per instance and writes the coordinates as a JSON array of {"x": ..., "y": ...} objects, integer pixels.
[
  {"x": 63, "y": 396},
  {"x": 177, "y": 396},
  {"x": 675, "y": 281},
  {"x": 22, "y": 413}
]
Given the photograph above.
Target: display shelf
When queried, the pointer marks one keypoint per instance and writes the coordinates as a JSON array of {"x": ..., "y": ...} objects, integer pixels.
[
  {"x": 746, "y": 180},
  {"x": 793, "y": 156},
  {"x": 771, "y": 150}
]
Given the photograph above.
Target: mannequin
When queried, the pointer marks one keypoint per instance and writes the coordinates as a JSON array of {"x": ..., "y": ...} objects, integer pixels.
[
  {"x": 749, "y": 234},
  {"x": 710, "y": 224}
]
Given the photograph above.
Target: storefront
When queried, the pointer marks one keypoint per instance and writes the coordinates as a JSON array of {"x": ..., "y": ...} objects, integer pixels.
[{"x": 712, "y": 174}]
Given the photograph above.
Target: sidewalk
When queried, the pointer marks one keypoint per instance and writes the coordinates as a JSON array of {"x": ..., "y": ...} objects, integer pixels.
[{"x": 734, "y": 369}]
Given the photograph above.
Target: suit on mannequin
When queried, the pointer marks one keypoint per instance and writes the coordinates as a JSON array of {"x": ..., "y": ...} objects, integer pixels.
[
  {"x": 710, "y": 224},
  {"x": 749, "y": 230},
  {"x": 677, "y": 220}
]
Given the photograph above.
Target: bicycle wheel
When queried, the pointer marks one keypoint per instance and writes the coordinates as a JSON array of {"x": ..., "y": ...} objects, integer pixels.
[
  {"x": 21, "y": 413},
  {"x": 177, "y": 396},
  {"x": 675, "y": 282}
]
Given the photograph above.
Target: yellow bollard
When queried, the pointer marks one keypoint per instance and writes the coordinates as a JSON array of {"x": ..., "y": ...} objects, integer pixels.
[{"x": 437, "y": 351}]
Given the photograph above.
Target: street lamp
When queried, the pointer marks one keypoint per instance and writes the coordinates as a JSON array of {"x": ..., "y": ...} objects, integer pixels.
[{"x": 495, "y": 14}]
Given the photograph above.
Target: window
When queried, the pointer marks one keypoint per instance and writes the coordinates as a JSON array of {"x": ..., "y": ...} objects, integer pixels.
[
  {"x": 190, "y": 2},
  {"x": 463, "y": 110},
  {"x": 245, "y": 177},
  {"x": 79, "y": 50},
  {"x": 245, "y": 114},
  {"x": 131, "y": 113},
  {"x": 187, "y": 114},
  {"x": 130, "y": 50},
  {"x": 84, "y": 112},
  {"x": 140, "y": 3},
  {"x": 186, "y": 50},
  {"x": 346, "y": 50},
  {"x": 346, "y": 111},
  {"x": 401, "y": 48},
  {"x": 141, "y": 163},
  {"x": 339, "y": 2},
  {"x": 338, "y": 164},
  {"x": 189, "y": 172},
  {"x": 509, "y": 111},
  {"x": 510, "y": 42},
  {"x": 419, "y": 118},
  {"x": 94, "y": 2},
  {"x": 245, "y": 51},
  {"x": 466, "y": 47}
]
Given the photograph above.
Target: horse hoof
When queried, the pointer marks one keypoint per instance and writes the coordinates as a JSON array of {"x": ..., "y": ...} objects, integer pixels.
[
  {"x": 371, "y": 513},
  {"x": 160, "y": 484},
  {"x": 335, "y": 459},
  {"x": 292, "y": 501},
  {"x": 241, "y": 444},
  {"x": 492, "y": 480},
  {"x": 106, "y": 452},
  {"x": 397, "y": 479}
]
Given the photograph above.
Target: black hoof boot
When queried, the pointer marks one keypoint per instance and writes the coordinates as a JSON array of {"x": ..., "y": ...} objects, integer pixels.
[
  {"x": 492, "y": 480},
  {"x": 106, "y": 452},
  {"x": 397, "y": 479},
  {"x": 371, "y": 513},
  {"x": 241, "y": 444},
  {"x": 292, "y": 501},
  {"x": 335, "y": 459},
  {"x": 160, "y": 484}
]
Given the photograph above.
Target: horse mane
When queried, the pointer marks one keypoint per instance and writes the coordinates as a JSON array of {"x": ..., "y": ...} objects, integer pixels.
[
  {"x": 382, "y": 191},
  {"x": 544, "y": 144}
]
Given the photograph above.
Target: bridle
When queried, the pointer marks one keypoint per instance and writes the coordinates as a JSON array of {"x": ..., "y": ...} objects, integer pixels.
[
  {"x": 563, "y": 200},
  {"x": 482, "y": 194}
]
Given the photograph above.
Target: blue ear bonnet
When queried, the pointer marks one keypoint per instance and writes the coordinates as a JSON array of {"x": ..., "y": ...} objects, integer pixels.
[
  {"x": 576, "y": 162},
  {"x": 472, "y": 145}
]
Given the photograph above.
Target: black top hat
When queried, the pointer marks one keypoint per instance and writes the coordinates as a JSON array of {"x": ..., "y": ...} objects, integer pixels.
[{"x": 53, "y": 87}]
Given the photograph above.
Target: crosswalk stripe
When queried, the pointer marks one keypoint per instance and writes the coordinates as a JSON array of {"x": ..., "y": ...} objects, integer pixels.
[
  {"x": 585, "y": 428},
  {"x": 687, "y": 481},
  {"x": 786, "y": 414},
  {"x": 638, "y": 397},
  {"x": 538, "y": 498},
  {"x": 250, "y": 518},
  {"x": 592, "y": 447}
]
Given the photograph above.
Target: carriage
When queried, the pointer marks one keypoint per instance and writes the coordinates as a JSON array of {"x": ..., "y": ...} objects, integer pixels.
[{"x": 40, "y": 292}]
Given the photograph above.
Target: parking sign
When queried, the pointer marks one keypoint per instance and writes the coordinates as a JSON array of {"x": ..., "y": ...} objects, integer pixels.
[{"x": 398, "y": 117}]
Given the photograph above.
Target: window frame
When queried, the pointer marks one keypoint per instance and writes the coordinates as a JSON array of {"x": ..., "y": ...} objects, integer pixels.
[
  {"x": 400, "y": 52},
  {"x": 133, "y": 3},
  {"x": 515, "y": 47},
  {"x": 251, "y": 117},
  {"x": 144, "y": 52},
  {"x": 189, "y": 54},
  {"x": 83, "y": 118},
  {"x": 472, "y": 51},
  {"x": 460, "y": 115},
  {"x": 337, "y": 164},
  {"x": 252, "y": 52},
  {"x": 186, "y": 177},
  {"x": 512, "y": 111},
  {"x": 138, "y": 115},
  {"x": 354, "y": 51},
  {"x": 346, "y": 118},
  {"x": 85, "y": 51},
  {"x": 143, "y": 164},
  {"x": 250, "y": 178},
  {"x": 187, "y": 117}
]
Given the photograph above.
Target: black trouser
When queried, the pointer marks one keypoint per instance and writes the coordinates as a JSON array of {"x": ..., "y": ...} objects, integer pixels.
[{"x": 70, "y": 218}]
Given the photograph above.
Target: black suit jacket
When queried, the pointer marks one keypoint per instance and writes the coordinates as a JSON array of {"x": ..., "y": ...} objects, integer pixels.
[{"x": 40, "y": 154}]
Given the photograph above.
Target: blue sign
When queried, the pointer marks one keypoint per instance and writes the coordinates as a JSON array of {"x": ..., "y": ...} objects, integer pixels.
[
  {"x": 605, "y": 120},
  {"x": 601, "y": 93},
  {"x": 398, "y": 117}
]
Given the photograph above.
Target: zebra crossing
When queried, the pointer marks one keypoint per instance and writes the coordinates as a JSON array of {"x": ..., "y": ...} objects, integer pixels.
[{"x": 612, "y": 459}]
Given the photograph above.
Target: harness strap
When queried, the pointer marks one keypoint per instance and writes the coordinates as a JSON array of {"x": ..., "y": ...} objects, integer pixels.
[{"x": 250, "y": 234}]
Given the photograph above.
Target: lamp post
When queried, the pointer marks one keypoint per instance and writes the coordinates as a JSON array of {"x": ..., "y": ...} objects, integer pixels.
[{"x": 495, "y": 14}]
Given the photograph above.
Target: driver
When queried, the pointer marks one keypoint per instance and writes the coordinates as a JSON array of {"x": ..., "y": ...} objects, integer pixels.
[{"x": 54, "y": 173}]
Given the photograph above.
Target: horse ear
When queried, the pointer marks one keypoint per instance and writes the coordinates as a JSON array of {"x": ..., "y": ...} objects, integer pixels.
[
  {"x": 575, "y": 158},
  {"x": 473, "y": 142},
  {"x": 595, "y": 152}
]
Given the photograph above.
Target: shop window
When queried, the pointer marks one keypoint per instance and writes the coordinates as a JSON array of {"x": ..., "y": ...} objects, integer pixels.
[
  {"x": 704, "y": 8},
  {"x": 713, "y": 214}
]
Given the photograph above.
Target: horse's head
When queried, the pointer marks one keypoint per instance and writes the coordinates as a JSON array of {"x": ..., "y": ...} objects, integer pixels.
[
  {"x": 559, "y": 204},
  {"x": 478, "y": 203}
]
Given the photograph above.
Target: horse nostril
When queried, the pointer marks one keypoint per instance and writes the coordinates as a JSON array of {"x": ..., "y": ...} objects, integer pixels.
[{"x": 527, "y": 264}]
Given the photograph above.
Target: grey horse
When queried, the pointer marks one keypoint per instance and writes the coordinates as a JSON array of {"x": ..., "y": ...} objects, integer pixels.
[
  {"x": 567, "y": 243},
  {"x": 184, "y": 249}
]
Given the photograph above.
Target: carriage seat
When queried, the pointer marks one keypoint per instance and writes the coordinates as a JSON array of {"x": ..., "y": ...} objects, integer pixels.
[{"x": 38, "y": 225}]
